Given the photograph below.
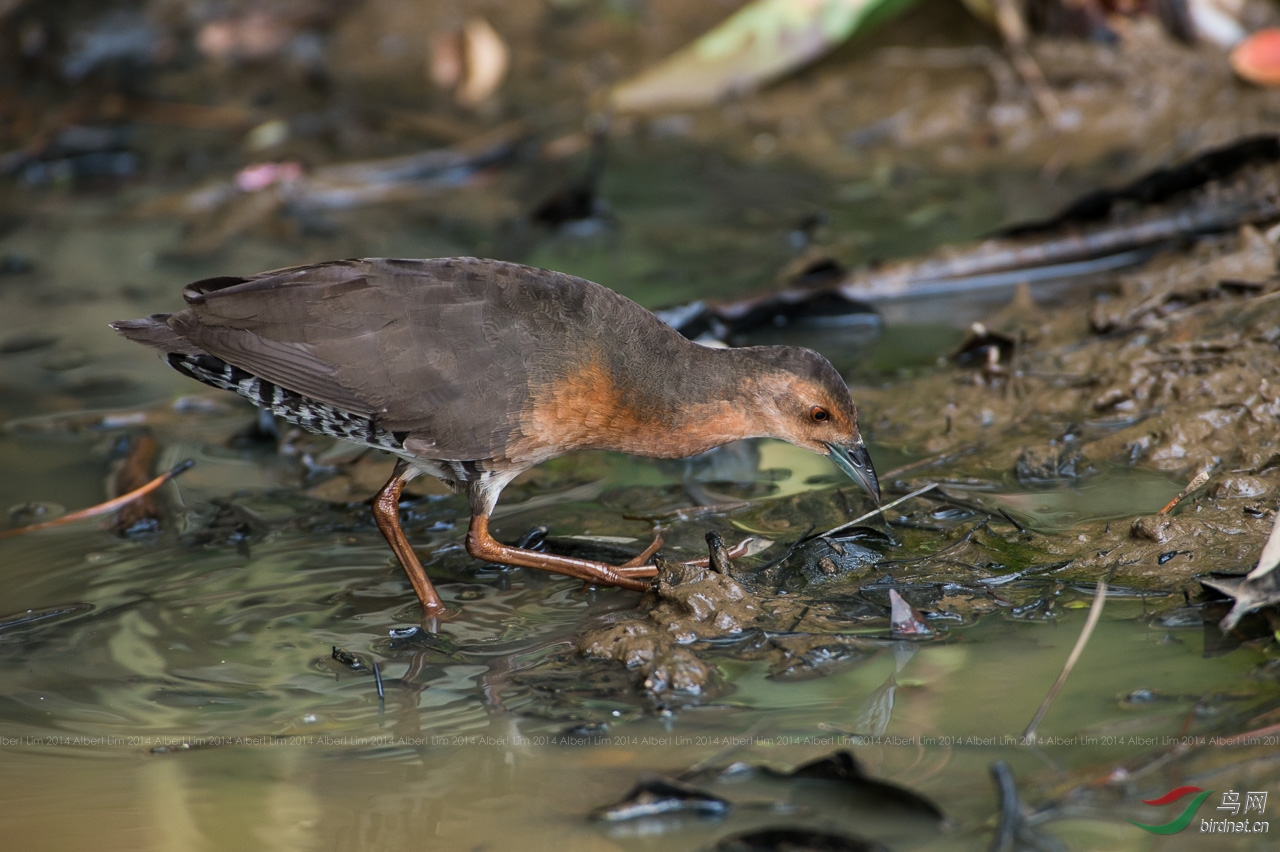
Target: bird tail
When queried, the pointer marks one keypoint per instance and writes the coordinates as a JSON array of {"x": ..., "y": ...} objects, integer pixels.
[{"x": 154, "y": 331}]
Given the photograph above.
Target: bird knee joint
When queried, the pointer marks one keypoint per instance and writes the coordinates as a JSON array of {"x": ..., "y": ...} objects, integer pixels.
[{"x": 480, "y": 545}]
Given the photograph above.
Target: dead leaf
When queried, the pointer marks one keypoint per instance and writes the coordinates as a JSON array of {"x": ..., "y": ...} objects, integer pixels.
[
  {"x": 472, "y": 61},
  {"x": 759, "y": 43},
  {"x": 904, "y": 619}
]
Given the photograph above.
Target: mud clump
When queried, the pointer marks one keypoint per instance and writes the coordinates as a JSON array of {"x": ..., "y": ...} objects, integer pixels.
[
  {"x": 688, "y": 603},
  {"x": 699, "y": 603},
  {"x": 663, "y": 665},
  {"x": 745, "y": 614}
]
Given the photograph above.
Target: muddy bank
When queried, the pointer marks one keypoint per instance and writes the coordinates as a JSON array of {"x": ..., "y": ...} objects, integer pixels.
[
  {"x": 1172, "y": 368},
  {"x": 1168, "y": 371}
]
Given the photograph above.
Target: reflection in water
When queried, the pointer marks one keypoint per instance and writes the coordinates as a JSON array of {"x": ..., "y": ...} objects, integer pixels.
[{"x": 1119, "y": 493}]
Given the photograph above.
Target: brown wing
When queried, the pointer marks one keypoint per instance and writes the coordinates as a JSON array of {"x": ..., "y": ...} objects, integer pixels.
[{"x": 442, "y": 349}]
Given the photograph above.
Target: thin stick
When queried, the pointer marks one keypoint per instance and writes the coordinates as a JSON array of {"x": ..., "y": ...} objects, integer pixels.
[
  {"x": 382, "y": 694},
  {"x": 1200, "y": 479},
  {"x": 1010, "y": 808},
  {"x": 1095, "y": 612},
  {"x": 877, "y": 510},
  {"x": 102, "y": 508},
  {"x": 1013, "y": 29}
]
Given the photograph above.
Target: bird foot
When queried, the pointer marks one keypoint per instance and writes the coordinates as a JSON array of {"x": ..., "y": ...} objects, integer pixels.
[
  {"x": 637, "y": 566},
  {"x": 634, "y": 568}
]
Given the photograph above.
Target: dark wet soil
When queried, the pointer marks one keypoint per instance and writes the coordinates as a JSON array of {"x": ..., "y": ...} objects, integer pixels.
[{"x": 1172, "y": 368}]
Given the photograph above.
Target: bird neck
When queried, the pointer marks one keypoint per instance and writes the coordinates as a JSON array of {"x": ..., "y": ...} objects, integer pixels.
[
  {"x": 698, "y": 399},
  {"x": 670, "y": 400}
]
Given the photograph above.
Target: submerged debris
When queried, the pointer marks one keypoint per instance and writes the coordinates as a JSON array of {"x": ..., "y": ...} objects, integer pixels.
[
  {"x": 143, "y": 514},
  {"x": 659, "y": 797},
  {"x": 906, "y": 620},
  {"x": 843, "y": 768},
  {"x": 1013, "y": 830},
  {"x": 788, "y": 839},
  {"x": 352, "y": 661},
  {"x": 18, "y": 622}
]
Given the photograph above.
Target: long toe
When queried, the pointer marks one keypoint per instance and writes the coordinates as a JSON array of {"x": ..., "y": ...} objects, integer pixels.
[{"x": 640, "y": 560}]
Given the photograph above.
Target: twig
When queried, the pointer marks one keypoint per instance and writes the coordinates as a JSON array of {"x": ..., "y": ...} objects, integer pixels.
[
  {"x": 1006, "y": 834},
  {"x": 1005, "y": 261},
  {"x": 877, "y": 510},
  {"x": 799, "y": 618},
  {"x": 1095, "y": 612},
  {"x": 102, "y": 508},
  {"x": 1013, "y": 29},
  {"x": 1011, "y": 519},
  {"x": 377, "y": 680},
  {"x": 1200, "y": 479}
]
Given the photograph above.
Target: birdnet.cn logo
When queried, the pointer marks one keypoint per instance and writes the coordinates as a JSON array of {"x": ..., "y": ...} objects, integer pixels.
[{"x": 1246, "y": 807}]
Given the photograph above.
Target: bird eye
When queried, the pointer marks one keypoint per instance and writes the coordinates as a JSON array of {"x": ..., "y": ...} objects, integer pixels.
[{"x": 818, "y": 414}]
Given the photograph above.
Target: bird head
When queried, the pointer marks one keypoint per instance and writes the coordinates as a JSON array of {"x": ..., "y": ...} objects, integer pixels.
[{"x": 807, "y": 403}]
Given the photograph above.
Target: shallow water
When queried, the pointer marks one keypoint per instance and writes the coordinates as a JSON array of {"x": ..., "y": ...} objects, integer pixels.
[
  {"x": 180, "y": 689},
  {"x": 289, "y": 749}
]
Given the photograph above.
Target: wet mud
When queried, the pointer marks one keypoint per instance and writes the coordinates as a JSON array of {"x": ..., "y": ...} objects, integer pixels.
[{"x": 1171, "y": 369}]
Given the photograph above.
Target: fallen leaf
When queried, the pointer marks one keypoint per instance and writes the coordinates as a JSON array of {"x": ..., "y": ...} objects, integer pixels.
[
  {"x": 659, "y": 797},
  {"x": 472, "y": 61},
  {"x": 760, "y": 42},
  {"x": 904, "y": 619}
]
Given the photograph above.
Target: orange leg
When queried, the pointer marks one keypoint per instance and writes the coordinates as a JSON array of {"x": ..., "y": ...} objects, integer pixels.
[
  {"x": 386, "y": 514},
  {"x": 482, "y": 545}
]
